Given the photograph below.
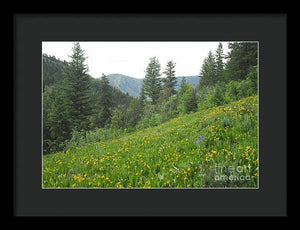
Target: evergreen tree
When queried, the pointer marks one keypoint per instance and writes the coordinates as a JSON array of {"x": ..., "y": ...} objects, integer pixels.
[
  {"x": 208, "y": 72},
  {"x": 219, "y": 62},
  {"x": 78, "y": 91},
  {"x": 183, "y": 85},
  {"x": 119, "y": 118},
  {"x": 242, "y": 57},
  {"x": 104, "y": 104},
  {"x": 217, "y": 97},
  {"x": 134, "y": 112},
  {"x": 57, "y": 118},
  {"x": 187, "y": 99},
  {"x": 52, "y": 70},
  {"x": 142, "y": 101},
  {"x": 152, "y": 82},
  {"x": 170, "y": 81}
]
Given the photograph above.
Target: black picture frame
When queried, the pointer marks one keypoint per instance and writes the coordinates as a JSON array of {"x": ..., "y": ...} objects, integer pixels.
[{"x": 271, "y": 32}]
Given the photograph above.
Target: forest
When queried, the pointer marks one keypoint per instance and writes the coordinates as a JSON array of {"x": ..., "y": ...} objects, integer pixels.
[{"x": 94, "y": 135}]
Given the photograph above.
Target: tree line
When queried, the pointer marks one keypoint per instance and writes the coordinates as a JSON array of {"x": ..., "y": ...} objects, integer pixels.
[{"x": 78, "y": 109}]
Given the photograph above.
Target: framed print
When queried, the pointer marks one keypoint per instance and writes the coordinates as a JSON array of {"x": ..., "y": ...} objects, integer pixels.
[{"x": 150, "y": 115}]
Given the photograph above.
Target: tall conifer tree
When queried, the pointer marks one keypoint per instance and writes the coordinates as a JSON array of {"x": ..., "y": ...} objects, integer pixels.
[
  {"x": 152, "y": 82},
  {"x": 219, "y": 62},
  {"x": 170, "y": 81},
  {"x": 208, "y": 71},
  {"x": 78, "y": 91},
  {"x": 104, "y": 103}
]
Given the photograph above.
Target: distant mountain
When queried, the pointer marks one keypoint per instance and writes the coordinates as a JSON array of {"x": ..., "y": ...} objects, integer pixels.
[
  {"x": 133, "y": 86},
  {"x": 126, "y": 84}
]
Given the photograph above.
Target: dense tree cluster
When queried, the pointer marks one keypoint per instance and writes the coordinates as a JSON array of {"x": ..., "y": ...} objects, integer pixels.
[
  {"x": 73, "y": 100},
  {"x": 79, "y": 107}
]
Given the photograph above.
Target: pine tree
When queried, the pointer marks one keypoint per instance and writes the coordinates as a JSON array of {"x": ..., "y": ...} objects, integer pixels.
[
  {"x": 219, "y": 62},
  {"x": 242, "y": 57},
  {"x": 183, "y": 84},
  {"x": 78, "y": 91},
  {"x": 170, "y": 81},
  {"x": 142, "y": 98},
  {"x": 187, "y": 99},
  {"x": 58, "y": 121},
  {"x": 104, "y": 103},
  {"x": 208, "y": 72},
  {"x": 152, "y": 82}
]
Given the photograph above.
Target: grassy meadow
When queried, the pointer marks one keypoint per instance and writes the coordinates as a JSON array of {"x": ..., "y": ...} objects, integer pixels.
[{"x": 198, "y": 150}]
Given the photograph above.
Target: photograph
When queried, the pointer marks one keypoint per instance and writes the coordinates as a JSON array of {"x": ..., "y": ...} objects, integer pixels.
[{"x": 150, "y": 115}]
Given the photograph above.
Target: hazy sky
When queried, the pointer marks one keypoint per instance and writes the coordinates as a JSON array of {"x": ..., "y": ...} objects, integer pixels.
[{"x": 132, "y": 58}]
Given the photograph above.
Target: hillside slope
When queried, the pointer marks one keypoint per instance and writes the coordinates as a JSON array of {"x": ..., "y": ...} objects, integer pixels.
[
  {"x": 187, "y": 151},
  {"x": 126, "y": 84}
]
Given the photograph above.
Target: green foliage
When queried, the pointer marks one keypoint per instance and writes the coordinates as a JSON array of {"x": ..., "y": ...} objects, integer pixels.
[
  {"x": 75, "y": 104},
  {"x": 56, "y": 119},
  {"x": 104, "y": 103},
  {"x": 217, "y": 97},
  {"x": 81, "y": 138},
  {"x": 151, "y": 121},
  {"x": 236, "y": 90},
  {"x": 52, "y": 70},
  {"x": 187, "y": 99},
  {"x": 181, "y": 153},
  {"x": 57, "y": 106},
  {"x": 242, "y": 58},
  {"x": 152, "y": 82},
  {"x": 219, "y": 63},
  {"x": 169, "y": 108},
  {"x": 134, "y": 112},
  {"x": 78, "y": 90},
  {"x": 119, "y": 118},
  {"x": 170, "y": 80},
  {"x": 208, "y": 71}
]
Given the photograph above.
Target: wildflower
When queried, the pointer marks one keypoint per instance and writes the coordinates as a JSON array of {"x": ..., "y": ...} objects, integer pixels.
[
  {"x": 189, "y": 170},
  {"x": 214, "y": 151},
  {"x": 199, "y": 139},
  {"x": 206, "y": 158}
]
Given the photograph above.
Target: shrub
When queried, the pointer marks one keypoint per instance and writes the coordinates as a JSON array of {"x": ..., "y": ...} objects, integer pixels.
[{"x": 217, "y": 97}]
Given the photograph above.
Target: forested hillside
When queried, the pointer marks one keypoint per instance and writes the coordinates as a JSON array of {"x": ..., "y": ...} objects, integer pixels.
[
  {"x": 52, "y": 70},
  {"x": 57, "y": 89}
]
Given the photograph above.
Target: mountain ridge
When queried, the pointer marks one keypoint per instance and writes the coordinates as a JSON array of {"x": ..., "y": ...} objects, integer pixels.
[{"x": 132, "y": 85}]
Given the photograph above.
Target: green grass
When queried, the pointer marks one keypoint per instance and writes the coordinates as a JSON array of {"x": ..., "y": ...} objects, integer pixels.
[{"x": 185, "y": 152}]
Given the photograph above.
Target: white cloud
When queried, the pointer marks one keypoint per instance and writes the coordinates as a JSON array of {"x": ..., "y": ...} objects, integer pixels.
[{"x": 132, "y": 58}]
